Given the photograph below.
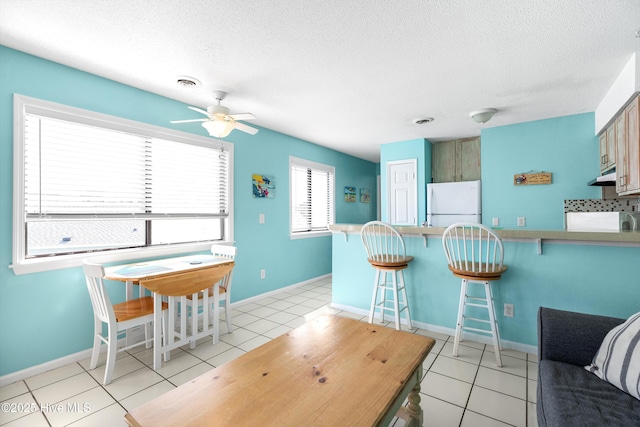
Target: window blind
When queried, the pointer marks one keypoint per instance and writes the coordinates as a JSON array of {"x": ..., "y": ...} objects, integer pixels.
[
  {"x": 312, "y": 191},
  {"x": 79, "y": 171}
]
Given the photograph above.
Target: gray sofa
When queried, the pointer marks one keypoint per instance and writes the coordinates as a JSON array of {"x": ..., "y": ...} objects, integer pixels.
[{"x": 568, "y": 395}]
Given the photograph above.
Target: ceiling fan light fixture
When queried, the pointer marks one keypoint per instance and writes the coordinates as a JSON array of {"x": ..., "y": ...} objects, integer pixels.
[
  {"x": 220, "y": 126},
  {"x": 483, "y": 115}
]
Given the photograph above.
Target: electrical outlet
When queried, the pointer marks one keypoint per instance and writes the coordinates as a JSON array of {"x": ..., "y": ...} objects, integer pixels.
[
  {"x": 263, "y": 274},
  {"x": 521, "y": 221},
  {"x": 495, "y": 222},
  {"x": 508, "y": 310}
]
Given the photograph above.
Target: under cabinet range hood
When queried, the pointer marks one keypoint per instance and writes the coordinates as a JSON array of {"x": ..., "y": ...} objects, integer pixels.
[{"x": 604, "y": 180}]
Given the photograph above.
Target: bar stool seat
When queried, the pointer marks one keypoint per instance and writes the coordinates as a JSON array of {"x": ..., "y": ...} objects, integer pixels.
[
  {"x": 386, "y": 253},
  {"x": 475, "y": 254}
]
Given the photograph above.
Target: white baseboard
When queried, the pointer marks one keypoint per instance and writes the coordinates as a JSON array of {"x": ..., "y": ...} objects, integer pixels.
[
  {"x": 277, "y": 291},
  {"x": 525, "y": 348},
  {"x": 44, "y": 367},
  {"x": 136, "y": 336},
  {"x": 85, "y": 354}
]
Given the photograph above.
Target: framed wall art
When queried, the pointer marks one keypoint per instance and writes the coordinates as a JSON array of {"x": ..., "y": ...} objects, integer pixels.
[
  {"x": 365, "y": 196},
  {"x": 264, "y": 186},
  {"x": 350, "y": 194}
]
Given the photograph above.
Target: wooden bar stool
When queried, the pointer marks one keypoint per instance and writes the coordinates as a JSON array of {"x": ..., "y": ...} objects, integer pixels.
[
  {"x": 475, "y": 254},
  {"x": 386, "y": 253}
]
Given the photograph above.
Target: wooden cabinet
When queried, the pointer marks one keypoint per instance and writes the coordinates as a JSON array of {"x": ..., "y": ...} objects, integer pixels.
[
  {"x": 457, "y": 160},
  {"x": 627, "y": 126},
  {"x": 608, "y": 148}
]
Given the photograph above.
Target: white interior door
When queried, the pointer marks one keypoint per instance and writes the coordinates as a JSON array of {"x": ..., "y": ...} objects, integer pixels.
[
  {"x": 378, "y": 199},
  {"x": 402, "y": 192}
]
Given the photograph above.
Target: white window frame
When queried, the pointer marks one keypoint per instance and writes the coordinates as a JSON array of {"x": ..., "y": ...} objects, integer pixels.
[
  {"x": 313, "y": 165},
  {"x": 21, "y": 264}
]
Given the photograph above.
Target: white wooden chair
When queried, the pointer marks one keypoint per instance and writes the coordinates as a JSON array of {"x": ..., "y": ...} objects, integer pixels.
[
  {"x": 386, "y": 253},
  {"x": 475, "y": 254},
  {"x": 223, "y": 294},
  {"x": 118, "y": 317}
]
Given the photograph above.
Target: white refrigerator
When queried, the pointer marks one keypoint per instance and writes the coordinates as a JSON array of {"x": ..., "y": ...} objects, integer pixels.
[{"x": 452, "y": 202}]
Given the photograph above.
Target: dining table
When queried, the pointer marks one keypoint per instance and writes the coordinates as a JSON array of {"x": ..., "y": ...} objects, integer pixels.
[
  {"x": 174, "y": 279},
  {"x": 331, "y": 371}
]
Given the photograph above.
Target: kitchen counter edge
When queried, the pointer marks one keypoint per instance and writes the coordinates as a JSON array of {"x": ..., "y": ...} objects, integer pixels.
[{"x": 508, "y": 234}]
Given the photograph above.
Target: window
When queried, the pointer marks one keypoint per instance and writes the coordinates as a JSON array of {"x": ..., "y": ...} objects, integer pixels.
[
  {"x": 311, "y": 197},
  {"x": 86, "y": 182}
]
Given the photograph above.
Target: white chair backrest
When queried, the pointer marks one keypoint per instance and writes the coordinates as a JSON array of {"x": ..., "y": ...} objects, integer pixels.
[
  {"x": 100, "y": 301},
  {"x": 473, "y": 247},
  {"x": 382, "y": 242},
  {"x": 224, "y": 251}
]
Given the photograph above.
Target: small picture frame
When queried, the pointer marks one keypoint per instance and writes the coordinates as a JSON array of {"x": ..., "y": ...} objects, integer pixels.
[
  {"x": 350, "y": 194},
  {"x": 264, "y": 186},
  {"x": 365, "y": 196}
]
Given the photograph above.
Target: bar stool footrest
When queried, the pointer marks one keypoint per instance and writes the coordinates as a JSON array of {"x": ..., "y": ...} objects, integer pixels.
[
  {"x": 477, "y": 320},
  {"x": 483, "y": 331}
]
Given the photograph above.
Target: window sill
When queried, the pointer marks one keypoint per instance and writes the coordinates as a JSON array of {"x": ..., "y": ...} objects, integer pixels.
[
  {"x": 69, "y": 261},
  {"x": 309, "y": 234}
]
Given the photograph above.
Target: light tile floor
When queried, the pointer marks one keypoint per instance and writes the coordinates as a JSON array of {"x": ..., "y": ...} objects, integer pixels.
[{"x": 467, "y": 391}]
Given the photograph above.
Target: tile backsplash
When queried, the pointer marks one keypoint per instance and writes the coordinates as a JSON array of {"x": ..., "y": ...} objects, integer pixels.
[{"x": 599, "y": 205}]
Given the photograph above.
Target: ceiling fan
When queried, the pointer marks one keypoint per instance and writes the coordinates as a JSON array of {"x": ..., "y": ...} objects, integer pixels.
[{"x": 219, "y": 123}]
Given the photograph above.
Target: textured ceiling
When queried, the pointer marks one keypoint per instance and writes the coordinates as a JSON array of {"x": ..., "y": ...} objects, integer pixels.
[{"x": 345, "y": 74}]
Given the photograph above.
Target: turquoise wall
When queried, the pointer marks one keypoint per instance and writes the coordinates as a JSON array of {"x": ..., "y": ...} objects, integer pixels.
[
  {"x": 565, "y": 146},
  {"x": 591, "y": 279},
  {"x": 419, "y": 149},
  {"x": 44, "y": 316}
]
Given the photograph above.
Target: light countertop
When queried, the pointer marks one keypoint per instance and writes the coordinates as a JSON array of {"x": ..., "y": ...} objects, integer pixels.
[{"x": 513, "y": 234}]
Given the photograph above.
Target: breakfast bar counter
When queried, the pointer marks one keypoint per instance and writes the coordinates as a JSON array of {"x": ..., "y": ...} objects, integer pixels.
[
  {"x": 587, "y": 272},
  {"x": 508, "y": 234}
]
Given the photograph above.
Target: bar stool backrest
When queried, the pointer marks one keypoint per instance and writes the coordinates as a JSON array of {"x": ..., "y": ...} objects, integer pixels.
[
  {"x": 473, "y": 248},
  {"x": 382, "y": 242}
]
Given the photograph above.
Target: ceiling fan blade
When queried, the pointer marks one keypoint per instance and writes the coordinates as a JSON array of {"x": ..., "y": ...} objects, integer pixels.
[
  {"x": 243, "y": 116},
  {"x": 200, "y": 110},
  {"x": 189, "y": 121},
  {"x": 245, "y": 128}
]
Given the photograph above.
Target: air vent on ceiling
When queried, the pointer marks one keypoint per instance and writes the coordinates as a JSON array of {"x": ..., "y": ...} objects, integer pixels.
[{"x": 188, "y": 81}]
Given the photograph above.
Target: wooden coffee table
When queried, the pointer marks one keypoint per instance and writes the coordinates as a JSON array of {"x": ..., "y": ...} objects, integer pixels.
[{"x": 331, "y": 371}]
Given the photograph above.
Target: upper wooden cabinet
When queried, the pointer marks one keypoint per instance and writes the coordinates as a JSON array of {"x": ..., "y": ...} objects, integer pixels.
[
  {"x": 627, "y": 127},
  {"x": 457, "y": 160},
  {"x": 608, "y": 148}
]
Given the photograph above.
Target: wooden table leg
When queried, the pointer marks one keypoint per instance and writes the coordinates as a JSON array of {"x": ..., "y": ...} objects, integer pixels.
[
  {"x": 413, "y": 408},
  {"x": 157, "y": 331},
  {"x": 128, "y": 296},
  {"x": 412, "y": 413}
]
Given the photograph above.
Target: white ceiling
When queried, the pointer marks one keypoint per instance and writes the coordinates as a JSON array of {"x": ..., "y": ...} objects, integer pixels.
[{"x": 345, "y": 74}]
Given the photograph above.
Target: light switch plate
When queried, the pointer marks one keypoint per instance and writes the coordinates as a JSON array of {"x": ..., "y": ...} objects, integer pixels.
[{"x": 261, "y": 219}]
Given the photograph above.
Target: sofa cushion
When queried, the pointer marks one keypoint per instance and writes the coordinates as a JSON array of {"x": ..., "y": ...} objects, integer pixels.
[
  {"x": 618, "y": 359},
  {"x": 568, "y": 395}
]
